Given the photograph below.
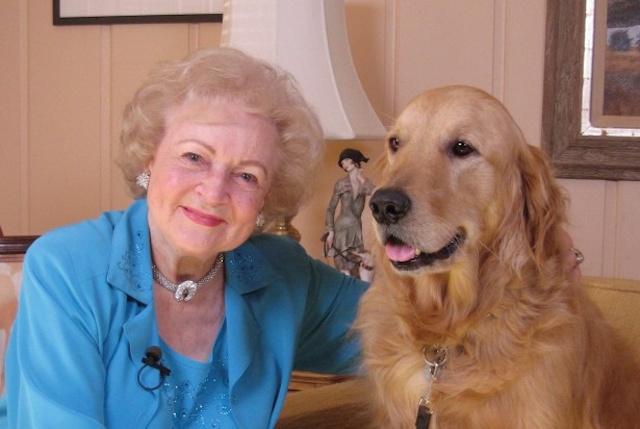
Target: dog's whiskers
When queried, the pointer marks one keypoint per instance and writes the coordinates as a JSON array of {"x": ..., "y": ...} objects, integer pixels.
[{"x": 494, "y": 254}]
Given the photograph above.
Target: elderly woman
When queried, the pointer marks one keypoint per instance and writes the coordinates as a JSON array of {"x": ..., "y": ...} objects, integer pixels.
[{"x": 174, "y": 313}]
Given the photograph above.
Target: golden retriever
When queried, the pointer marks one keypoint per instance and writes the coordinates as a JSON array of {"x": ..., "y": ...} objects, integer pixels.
[{"x": 470, "y": 259}]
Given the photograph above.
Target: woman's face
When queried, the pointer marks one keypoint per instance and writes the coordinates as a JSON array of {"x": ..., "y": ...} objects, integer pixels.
[
  {"x": 209, "y": 178},
  {"x": 347, "y": 164}
]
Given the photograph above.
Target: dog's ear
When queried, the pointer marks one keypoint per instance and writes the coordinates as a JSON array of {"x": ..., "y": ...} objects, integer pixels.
[
  {"x": 543, "y": 210},
  {"x": 533, "y": 211}
]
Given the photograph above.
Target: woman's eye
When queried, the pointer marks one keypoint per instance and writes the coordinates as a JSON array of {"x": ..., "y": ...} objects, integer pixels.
[
  {"x": 462, "y": 149},
  {"x": 249, "y": 178},
  {"x": 193, "y": 157}
]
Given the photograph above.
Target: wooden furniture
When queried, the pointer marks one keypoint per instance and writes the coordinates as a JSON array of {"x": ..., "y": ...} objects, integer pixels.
[
  {"x": 12, "y": 250},
  {"x": 338, "y": 405},
  {"x": 301, "y": 380}
]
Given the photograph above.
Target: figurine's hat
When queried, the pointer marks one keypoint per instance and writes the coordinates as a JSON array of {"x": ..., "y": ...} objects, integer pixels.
[{"x": 353, "y": 154}]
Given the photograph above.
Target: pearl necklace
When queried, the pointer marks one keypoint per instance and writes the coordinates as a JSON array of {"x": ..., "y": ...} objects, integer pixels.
[{"x": 187, "y": 289}]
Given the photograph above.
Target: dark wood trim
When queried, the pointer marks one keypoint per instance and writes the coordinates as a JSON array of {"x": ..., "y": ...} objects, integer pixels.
[
  {"x": 573, "y": 155},
  {"x": 302, "y": 380},
  {"x": 16, "y": 244},
  {"x": 140, "y": 19}
]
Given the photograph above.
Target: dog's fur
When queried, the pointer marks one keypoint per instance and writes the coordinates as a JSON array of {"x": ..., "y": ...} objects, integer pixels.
[{"x": 526, "y": 347}]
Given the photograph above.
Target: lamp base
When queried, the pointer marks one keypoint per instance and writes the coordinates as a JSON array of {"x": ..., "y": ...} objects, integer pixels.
[{"x": 282, "y": 226}]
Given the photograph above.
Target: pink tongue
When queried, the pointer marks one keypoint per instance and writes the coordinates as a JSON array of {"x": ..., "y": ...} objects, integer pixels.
[{"x": 400, "y": 252}]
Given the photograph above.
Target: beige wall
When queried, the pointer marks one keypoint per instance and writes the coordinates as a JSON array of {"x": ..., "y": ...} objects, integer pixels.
[{"x": 63, "y": 90}]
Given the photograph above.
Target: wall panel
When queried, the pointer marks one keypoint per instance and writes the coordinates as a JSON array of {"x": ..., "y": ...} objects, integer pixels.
[
  {"x": 209, "y": 35},
  {"x": 523, "y": 65},
  {"x": 442, "y": 43},
  {"x": 135, "y": 50},
  {"x": 63, "y": 121},
  {"x": 628, "y": 231},
  {"x": 587, "y": 213},
  {"x": 11, "y": 27}
]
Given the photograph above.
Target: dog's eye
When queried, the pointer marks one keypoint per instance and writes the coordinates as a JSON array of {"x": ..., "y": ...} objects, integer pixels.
[
  {"x": 462, "y": 149},
  {"x": 394, "y": 144}
]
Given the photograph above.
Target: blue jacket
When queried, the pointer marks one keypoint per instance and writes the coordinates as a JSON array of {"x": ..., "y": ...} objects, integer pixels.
[{"x": 86, "y": 317}]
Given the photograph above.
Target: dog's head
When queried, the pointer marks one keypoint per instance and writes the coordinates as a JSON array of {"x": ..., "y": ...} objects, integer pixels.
[{"x": 457, "y": 180}]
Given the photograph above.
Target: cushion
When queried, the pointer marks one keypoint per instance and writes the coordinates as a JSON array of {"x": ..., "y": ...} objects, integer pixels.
[{"x": 619, "y": 301}]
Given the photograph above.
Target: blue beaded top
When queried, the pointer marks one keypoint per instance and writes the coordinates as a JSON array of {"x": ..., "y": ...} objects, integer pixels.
[{"x": 198, "y": 392}]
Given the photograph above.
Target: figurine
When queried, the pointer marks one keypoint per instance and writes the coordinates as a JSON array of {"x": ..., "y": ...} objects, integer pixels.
[{"x": 343, "y": 235}]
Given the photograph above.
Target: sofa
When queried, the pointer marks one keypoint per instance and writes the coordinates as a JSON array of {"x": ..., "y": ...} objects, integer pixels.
[{"x": 344, "y": 404}]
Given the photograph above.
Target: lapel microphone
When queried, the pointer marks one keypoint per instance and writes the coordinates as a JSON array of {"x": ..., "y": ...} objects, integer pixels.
[{"x": 152, "y": 359}]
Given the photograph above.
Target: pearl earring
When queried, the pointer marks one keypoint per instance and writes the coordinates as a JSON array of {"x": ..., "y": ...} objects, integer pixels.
[
  {"x": 260, "y": 220},
  {"x": 143, "y": 180}
]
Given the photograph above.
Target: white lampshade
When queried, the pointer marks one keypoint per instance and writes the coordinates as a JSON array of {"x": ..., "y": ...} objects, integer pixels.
[{"x": 308, "y": 38}]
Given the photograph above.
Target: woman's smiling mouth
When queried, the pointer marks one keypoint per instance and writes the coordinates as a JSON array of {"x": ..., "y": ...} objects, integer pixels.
[{"x": 201, "y": 218}]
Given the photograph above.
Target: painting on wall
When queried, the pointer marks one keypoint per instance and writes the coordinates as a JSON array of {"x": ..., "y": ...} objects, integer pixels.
[
  {"x": 616, "y": 64},
  {"x": 85, "y": 12},
  {"x": 591, "y": 99}
]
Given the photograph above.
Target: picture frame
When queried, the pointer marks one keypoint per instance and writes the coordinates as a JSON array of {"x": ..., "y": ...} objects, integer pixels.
[
  {"x": 577, "y": 148},
  {"x": 106, "y": 12}
]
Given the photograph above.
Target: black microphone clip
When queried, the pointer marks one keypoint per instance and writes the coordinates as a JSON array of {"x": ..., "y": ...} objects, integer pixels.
[{"x": 152, "y": 358}]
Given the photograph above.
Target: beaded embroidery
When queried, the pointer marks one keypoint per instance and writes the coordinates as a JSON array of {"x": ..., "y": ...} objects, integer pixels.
[
  {"x": 183, "y": 392},
  {"x": 205, "y": 404},
  {"x": 246, "y": 264},
  {"x": 130, "y": 262}
]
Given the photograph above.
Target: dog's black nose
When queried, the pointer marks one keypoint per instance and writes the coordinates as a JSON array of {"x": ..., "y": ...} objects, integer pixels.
[{"x": 389, "y": 205}]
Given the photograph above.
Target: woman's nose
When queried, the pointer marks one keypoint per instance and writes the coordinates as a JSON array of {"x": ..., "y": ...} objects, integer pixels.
[{"x": 215, "y": 187}]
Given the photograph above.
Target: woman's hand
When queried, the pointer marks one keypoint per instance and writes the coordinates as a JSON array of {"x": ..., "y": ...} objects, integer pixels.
[{"x": 329, "y": 240}]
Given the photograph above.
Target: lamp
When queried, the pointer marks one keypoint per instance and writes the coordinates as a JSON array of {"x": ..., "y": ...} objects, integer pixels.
[{"x": 308, "y": 38}]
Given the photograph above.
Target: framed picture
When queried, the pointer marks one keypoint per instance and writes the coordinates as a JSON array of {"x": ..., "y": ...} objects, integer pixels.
[
  {"x": 615, "y": 95},
  {"x": 591, "y": 110},
  {"x": 83, "y": 12}
]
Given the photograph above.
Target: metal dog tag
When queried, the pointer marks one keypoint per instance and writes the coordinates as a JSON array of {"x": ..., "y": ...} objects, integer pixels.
[
  {"x": 434, "y": 358},
  {"x": 424, "y": 414}
]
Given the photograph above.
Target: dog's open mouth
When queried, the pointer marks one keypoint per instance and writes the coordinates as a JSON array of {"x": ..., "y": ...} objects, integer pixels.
[{"x": 406, "y": 258}]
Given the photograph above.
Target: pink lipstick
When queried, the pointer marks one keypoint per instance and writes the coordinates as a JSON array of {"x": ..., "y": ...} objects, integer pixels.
[{"x": 201, "y": 218}]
